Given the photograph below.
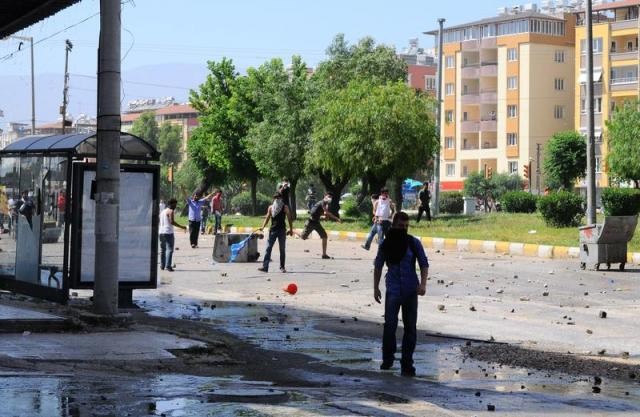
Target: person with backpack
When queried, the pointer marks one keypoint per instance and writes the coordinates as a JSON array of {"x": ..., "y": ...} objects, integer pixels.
[
  {"x": 399, "y": 252},
  {"x": 424, "y": 196}
]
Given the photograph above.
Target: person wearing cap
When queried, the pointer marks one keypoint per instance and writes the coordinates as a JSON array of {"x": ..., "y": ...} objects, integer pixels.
[{"x": 277, "y": 212}]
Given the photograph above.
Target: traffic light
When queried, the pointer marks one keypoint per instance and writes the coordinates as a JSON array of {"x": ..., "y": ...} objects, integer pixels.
[
  {"x": 526, "y": 172},
  {"x": 489, "y": 172},
  {"x": 170, "y": 173}
]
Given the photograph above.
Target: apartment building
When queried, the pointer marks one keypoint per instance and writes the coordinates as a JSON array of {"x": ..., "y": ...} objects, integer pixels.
[
  {"x": 508, "y": 85},
  {"x": 615, "y": 69},
  {"x": 421, "y": 67}
]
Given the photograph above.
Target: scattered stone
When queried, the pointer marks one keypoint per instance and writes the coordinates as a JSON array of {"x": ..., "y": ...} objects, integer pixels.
[
  {"x": 491, "y": 339},
  {"x": 625, "y": 355},
  {"x": 597, "y": 380},
  {"x": 602, "y": 352},
  {"x": 546, "y": 285},
  {"x": 515, "y": 276},
  {"x": 513, "y": 310},
  {"x": 500, "y": 291},
  {"x": 472, "y": 308},
  {"x": 264, "y": 319},
  {"x": 477, "y": 393},
  {"x": 632, "y": 375},
  {"x": 602, "y": 314},
  {"x": 306, "y": 250},
  {"x": 296, "y": 329},
  {"x": 545, "y": 294},
  {"x": 344, "y": 285},
  {"x": 355, "y": 318},
  {"x": 450, "y": 282},
  {"x": 589, "y": 331},
  {"x": 492, "y": 264},
  {"x": 586, "y": 293},
  {"x": 596, "y": 390},
  {"x": 491, "y": 407},
  {"x": 551, "y": 272},
  {"x": 524, "y": 299},
  {"x": 441, "y": 307},
  {"x": 341, "y": 320}
]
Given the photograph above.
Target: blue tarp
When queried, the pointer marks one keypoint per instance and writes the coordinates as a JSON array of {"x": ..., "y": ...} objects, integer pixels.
[
  {"x": 237, "y": 247},
  {"x": 411, "y": 183}
]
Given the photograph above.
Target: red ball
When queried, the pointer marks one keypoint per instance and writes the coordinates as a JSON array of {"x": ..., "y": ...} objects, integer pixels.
[{"x": 291, "y": 288}]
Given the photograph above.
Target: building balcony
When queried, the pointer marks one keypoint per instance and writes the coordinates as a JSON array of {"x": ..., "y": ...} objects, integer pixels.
[
  {"x": 597, "y": 120},
  {"x": 470, "y": 45},
  {"x": 624, "y": 55},
  {"x": 470, "y": 98},
  {"x": 489, "y": 43},
  {"x": 597, "y": 60},
  {"x": 597, "y": 89},
  {"x": 624, "y": 84},
  {"x": 490, "y": 144},
  {"x": 624, "y": 25},
  {"x": 488, "y": 96},
  {"x": 471, "y": 71},
  {"x": 489, "y": 124},
  {"x": 489, "y": 69},
  {"x": 470, "y": 127}
]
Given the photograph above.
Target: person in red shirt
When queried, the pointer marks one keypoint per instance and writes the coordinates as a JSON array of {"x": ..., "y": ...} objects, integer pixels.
[
  {"x": 216, "y": 210},
  {"x": 61, "y": 203}
]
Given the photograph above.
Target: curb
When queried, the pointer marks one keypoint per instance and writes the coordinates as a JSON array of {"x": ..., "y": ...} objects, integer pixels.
[{"x": 478, "y": 246}]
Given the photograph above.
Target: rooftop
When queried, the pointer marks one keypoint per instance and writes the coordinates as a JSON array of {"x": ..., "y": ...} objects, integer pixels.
[{"x": 527, "y": 14}]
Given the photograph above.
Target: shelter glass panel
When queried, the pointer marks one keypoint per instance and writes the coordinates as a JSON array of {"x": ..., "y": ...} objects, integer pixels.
[{"x": 9, "y": 197}]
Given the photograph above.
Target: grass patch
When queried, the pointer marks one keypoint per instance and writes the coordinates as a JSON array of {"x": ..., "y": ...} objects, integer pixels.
[{"x": 508, "y": 227}]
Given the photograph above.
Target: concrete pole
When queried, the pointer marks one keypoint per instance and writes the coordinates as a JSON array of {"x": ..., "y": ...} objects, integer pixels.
[
  {"x": 591, "y": 158},
  {"x": 33, "y": 92},
  {"x": 65, "y": 89},
  {"x": 436, "y": 161},
  {"x": 107, "y": 197}
]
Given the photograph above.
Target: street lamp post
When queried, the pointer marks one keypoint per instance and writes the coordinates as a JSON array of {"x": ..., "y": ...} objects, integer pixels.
[{"x": 33, "y": 88}]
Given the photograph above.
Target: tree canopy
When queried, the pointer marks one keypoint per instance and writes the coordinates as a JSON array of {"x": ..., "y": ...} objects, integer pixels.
[
  {"x": 623, "y": 160},
  {"x": 170, "y": 144},
  {"x": 146, "y": 127},
  {"x": 565, "y": 160}
]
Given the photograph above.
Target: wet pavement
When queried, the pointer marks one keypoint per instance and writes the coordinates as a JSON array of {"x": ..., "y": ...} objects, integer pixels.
[{"x": 333, "y": 321}]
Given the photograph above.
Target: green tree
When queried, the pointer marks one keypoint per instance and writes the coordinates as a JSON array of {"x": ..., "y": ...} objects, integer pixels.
[
  {"x": 227, "y": 110},
  {"x": 476, "y": 185},
  {"x": 374, "y": 131},
  {"x": 279, "y": 143},
  {"x": 504, "y": 182},
  {"x": 364, "y": 61},
  {"x": 565, "y": 160},
  {"x": 146, "y": 127},
  {"x": 170, "y": 144},
  {"x": 624, "y": 147}
]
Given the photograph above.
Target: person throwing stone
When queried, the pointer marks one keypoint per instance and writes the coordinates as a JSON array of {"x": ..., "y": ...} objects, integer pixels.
[
  {"x": 166, "y": 235},
  {"x": 313, "y": 223},
  {"x": 277, "y": 212},
  {"x": 400, "y": 251}
]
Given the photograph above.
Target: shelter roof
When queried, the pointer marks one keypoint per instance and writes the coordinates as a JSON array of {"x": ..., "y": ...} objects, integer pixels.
[
  {"x": 20, "y": 14},
  {"x": 81, "y": 145}
]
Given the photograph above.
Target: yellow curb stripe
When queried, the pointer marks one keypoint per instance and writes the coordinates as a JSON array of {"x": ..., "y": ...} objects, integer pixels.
[
  {"x": 476, "y": 246},
  {"x": 502, "y": 247},
  {"x": 451, "y": 244},
  {"x": 560, "y": 252},
  {"x": 427, "y": 242},
  {"x": 531, "y": 249}
]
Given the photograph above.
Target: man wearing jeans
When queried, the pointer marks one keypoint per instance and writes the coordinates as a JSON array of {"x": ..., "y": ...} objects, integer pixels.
[
  {"x": 216, "y": 210},
  {"x": 167, "y": 237},
  {"x": 400, "y": 251},
  {"x": 195, "y": 203},
  {"x": 278, "y": 213},
  {"x": 383, "y": 210}
]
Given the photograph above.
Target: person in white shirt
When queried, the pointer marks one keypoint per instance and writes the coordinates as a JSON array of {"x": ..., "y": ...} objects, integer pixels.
[
  {"x": 383, "y": 210},
  {"x": 167, "y": 238}
]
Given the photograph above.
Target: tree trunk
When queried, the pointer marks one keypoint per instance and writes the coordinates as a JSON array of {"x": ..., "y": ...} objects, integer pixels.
[
  {"x": 334, "y": 186},
  {"x": 364, "y": 192},
  {"x": 398, "y": 193},
  {"x": 376, "y": 184},
  {"x": 254, "y": 197},
  {"x": 292, "y": 198}
]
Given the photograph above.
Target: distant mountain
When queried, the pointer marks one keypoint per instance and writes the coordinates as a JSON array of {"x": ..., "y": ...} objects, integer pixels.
[{"x": 152, "y": 81}]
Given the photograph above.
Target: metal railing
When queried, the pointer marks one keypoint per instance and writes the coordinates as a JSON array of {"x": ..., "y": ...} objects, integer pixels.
[{"x": 624, "y": 80}]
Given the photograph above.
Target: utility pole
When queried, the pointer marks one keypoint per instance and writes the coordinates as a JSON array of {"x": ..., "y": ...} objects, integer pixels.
[
  {"x": 591, "y": 158},
  {"x": 436, "y": 162},
  {"x": 538, "y": 151},
  {"x": 65, "y": 90},
  {"x": 107, "y": 197},
  {"x": 33, "y": 84}
]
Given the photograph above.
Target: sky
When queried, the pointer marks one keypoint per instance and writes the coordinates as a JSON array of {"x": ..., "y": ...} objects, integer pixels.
[{"x": 163, "y": 32}]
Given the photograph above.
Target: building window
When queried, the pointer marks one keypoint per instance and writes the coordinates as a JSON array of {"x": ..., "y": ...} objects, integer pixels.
[
  {"x": 597, "y": 105},
  {"x": 597, "y": 46},
  {"x": 512, "y": 54},
  {"x": 559, "y": 56},
  {"x": 448, "y": 116},
  {"x": 513, "y": 167},
  {"x": 449, "y": 89},
  {"x": 512, "y": 83},
  {"x": 451, "y": 170},
  {"x": 450, "y": 61},
  {"x": 429, "y": 83},
  {"x": 583, "y": 105},
  {"x": 512, "y": 111},
  {"x": 449, "y": 142},
  {"x": 558, "y": 112},
  {"x": 598, "y": 166},
  {"x": 559, "y": 84},
  {"x": 512, "y": 139}
]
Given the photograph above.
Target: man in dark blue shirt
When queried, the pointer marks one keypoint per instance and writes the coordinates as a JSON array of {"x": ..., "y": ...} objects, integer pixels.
[{"x": 400, "y": 251}]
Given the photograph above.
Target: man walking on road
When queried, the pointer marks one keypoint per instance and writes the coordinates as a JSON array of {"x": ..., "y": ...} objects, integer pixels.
[
  {"x": 167, "y": 237},
  {"x": 313, "y": 223},
  {"x": 216, "y": 210},
  {"x": 278, "y": 230},
  {"x": 400, "y": 251},
  {"x": 424, "y": 196}
]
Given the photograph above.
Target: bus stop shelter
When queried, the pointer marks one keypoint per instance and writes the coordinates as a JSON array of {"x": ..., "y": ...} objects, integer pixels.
[{"x": 47, "y": 211}]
